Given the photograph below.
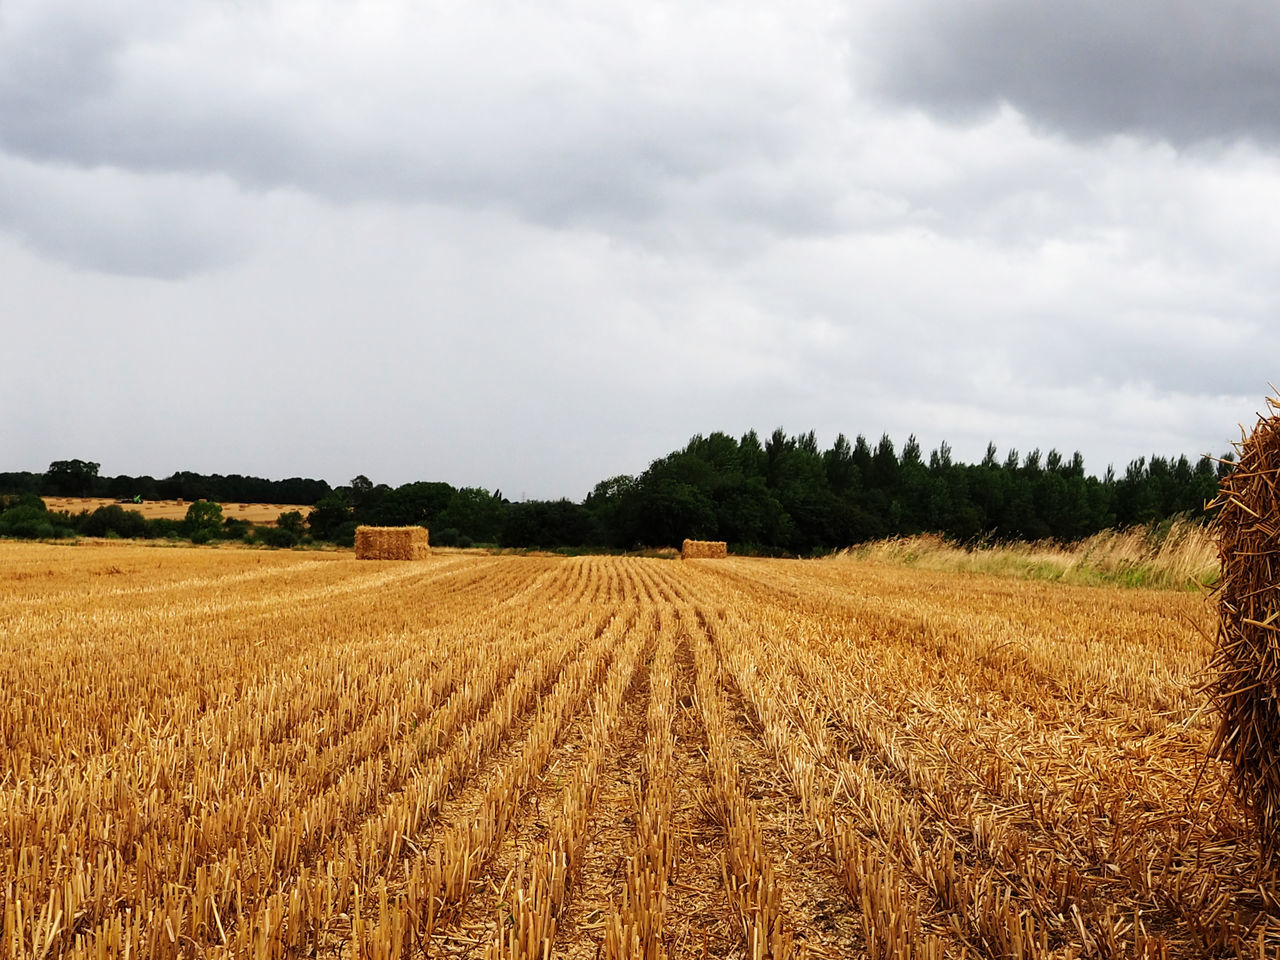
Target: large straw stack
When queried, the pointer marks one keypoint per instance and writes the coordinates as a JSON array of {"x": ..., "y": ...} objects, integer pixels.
[
  {"x": 703, "y": 550},
  {"x": 1246, "y": 667},
  {"x": 391, "y": 543}
]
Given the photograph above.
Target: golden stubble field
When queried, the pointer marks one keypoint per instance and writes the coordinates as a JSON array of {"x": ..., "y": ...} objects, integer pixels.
[
  {"x": 263, "y": 514},
  {"x": 245, "y": 753}
]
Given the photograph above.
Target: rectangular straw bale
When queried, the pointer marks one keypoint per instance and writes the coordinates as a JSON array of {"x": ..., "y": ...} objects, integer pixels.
[
  {"x": 703, "y": 550},
  {"x": 1246, "y": 663},
  {"x": 392, "y": 543}
]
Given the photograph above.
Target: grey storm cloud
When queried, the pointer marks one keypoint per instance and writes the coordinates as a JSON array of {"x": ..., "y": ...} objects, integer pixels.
[
  {"x": 580, "y": 117},
  {"x": 1183, "y": 71},
  {"x": 117, "y": 222}
]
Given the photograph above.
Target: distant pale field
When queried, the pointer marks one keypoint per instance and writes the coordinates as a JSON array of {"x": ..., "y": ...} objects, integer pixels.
[
  {"x": 265, "y": 514},
  {"x": 235, "y": 753}
]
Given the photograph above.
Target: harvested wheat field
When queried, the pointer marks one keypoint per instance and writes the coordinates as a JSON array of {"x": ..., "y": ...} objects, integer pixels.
[{"x": 248, "y": 754}]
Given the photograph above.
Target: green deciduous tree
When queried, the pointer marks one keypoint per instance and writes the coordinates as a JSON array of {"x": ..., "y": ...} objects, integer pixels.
[
  {"x": 476, "y": 514},
  {"x": 203, "y": 521},
  {"x": 71, "y": 478}
]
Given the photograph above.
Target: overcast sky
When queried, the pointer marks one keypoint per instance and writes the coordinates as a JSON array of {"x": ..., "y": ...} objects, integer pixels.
[{"x": 531, "y": 246}]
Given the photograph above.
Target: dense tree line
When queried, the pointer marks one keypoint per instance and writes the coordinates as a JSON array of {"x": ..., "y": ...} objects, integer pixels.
[
  {"x": 787, "y": 495},
  {"x": 80, "y": 478},
  {"x": 782, "y": 495}
]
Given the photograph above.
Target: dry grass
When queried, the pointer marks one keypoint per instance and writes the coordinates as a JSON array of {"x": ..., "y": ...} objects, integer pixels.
[
  {"x": 262, "y": 514},
  {"x": 1180, "y": 555},
  {"x": 703, "y": 550},
  {"x": 234, "y": 753},
  {"x": 392, "y": 543}
]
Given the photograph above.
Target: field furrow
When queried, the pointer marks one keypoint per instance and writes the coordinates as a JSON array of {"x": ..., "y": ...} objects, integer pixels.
[{"x": 238, "y": 753}]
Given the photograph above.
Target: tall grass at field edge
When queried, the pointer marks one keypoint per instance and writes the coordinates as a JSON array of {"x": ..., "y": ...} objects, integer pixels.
[{"x": 1177, "y": 554}]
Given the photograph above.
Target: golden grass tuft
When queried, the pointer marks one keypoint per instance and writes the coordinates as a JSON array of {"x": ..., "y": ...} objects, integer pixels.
[
  {"x": 1246, "y": 666},
  {"x": 392, "y": 543},
  {"x": 703, "y": 550}
]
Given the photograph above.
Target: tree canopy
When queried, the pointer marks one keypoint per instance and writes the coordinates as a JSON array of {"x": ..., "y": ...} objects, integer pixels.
[{"x": 784, "y": 494}]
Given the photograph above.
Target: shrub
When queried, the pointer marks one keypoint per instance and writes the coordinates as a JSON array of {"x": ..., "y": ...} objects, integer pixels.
[
  {"x": 32, "y": 523},
  {"x": 547, "y": 524},
  {"x": 448, "y": 537},
  {"x": 331, "y": 519},
  {"x": 344, "y": 535},
  {"x": 291, "y": 520},
  {"x": 280, "y": 537},
  {"x": 204, "y": 521},
  {"x": 113, "y": 519},
  {"x": 233, "y": 528},
  {"x": 167, "y": 528},
  {"x": 10, "y": 500}
]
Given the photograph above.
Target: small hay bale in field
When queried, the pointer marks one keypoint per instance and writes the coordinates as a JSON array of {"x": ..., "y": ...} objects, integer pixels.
[
  {"x": 703, "y": 550},
  {"x": 1245, "y": 678},
  {"x": 392, "y": 543}
]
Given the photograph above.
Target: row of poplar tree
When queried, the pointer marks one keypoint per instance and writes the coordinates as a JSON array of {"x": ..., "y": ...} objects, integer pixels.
[{"x": 787, "y": 493}]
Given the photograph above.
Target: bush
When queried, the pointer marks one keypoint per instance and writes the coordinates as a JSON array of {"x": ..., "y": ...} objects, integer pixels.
[
  {"x": 10, "y": 500},
  {"x": 167, "y": 528},
  {"x": 344, "y": 535},
  {"x": 332, "y": 520},
  {"x": 280, "y": 537},
  {"x": 291, "y": 520},
  {"x": 113, "y": 519},
  {"x": 32, "y": 523},
  {"x": 204, "y": 521},
  {"x": 448, "y": 537},
  {"x": 546, "y": 524},
  {"x": 233, "y": 528}
]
